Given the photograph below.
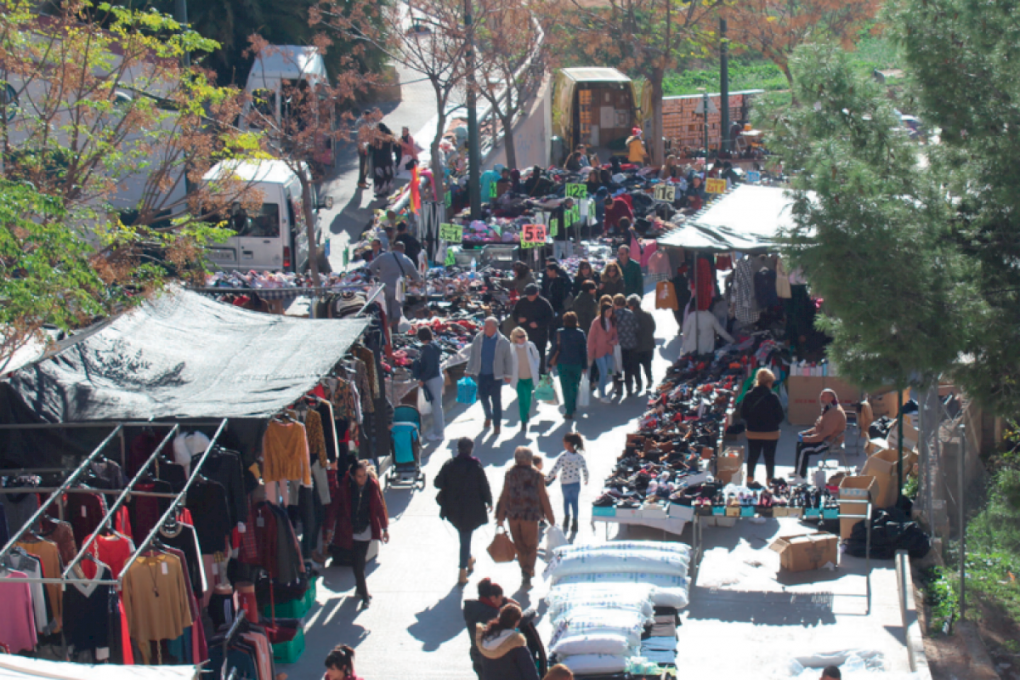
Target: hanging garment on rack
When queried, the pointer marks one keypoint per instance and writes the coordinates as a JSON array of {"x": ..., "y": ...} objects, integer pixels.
[
  {"x": 88, "y": 610},
  {"x": 186, "y": 446},
  {"x": 706, "y": 283},
  {"x": 5, "y": 532},
  {"x": 146, "y": 510},
  {"x": 224, "y": 467},
  {"x": 62, "y": 534},
  {"x": 113, "y": 550},
  {"x": 285, "y": 453},
  {"x": 106, "y": 474},
  {"x": 782, "y": 280},
  {"x": 276, "y": 545},
  {"x": 84, "y": 511},
  {"x": 19, "y": 507},
  {"x": 183, "y": 538},
  {"x": 31, "y": 566},
  {"x": 325, "y": 411},
  {"x": 207, "y": 501},
  {"x": 374, "y": 378},
  {"x": 193, "y": 638},
  {"x": 765, "y": 288},
  {"x": 17, "y": 625},
  {"x": 746, "y": 306},
  {"x": 316, "y": 438},
  {"x": 156, "y": 600},
  {"x": 49, "y": 555}
]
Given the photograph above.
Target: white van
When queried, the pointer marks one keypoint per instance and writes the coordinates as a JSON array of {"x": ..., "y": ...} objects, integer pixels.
[{"x": 274, "y": 238}]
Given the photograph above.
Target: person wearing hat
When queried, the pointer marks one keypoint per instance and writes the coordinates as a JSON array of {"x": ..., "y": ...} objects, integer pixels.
[
  {"x": 636, "y": 153},
  {"x": 827, "y": 431},
  {"x": 534, "y": 314}
]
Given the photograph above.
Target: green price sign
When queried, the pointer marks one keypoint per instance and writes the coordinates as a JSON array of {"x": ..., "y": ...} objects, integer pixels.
[
  {"x": 347, "y": 257},
  {"x": 448, "y": 199},
  {"x": 452, "y": 233},
  {"x": 492, "y": 190},
  {"x": 450, "y": 259},
  {"x": 571, "y": 216},
  {"x": 577, "y": 191},
  {"x": 529, "y": 244},
  {"x": 554, "y": 227}
]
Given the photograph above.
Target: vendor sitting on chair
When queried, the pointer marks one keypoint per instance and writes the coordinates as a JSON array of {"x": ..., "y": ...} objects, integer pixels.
[{"x": 826, "y": 433}]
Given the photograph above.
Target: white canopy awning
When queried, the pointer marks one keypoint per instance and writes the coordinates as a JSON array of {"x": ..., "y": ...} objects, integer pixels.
[{"x": 22, "y": 668}]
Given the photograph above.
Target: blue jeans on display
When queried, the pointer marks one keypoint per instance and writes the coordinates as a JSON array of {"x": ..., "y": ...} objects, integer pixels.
[
  {"x": 571, "y": 497},
  {"x": 465, "y": 546},
  {"x": 606, "y": 365},
  {"x": 490, "y": 393}
]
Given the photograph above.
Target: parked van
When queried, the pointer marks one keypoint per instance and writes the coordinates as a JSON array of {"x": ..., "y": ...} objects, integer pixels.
[{"x": 273, "y": 238}]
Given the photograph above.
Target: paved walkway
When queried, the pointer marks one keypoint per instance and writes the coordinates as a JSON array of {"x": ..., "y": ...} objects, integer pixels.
[{"x": 743, "y": 614}]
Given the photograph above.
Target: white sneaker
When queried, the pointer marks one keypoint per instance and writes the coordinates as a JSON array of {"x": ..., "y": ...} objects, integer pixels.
[
  {"x": 435, "y": 437},
  {"x": 605, "y": 400}
]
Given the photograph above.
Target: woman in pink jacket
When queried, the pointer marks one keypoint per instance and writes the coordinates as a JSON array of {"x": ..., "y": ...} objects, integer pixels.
[{"x": 601, "y": 341}]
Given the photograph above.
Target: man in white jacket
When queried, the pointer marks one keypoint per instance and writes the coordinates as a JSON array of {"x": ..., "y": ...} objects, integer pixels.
[{"x": 491, "y": 364}]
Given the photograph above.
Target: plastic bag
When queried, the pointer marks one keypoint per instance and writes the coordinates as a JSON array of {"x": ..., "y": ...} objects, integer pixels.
[
  {"x": 546, "y": 391},
  {"x": 467, "y": 391},
  {"x": 617, "y": 359},
  {"x": 554, "y": 538},
  {"x": 424, "y": 405},
  {"x": 584, "y": 392}
]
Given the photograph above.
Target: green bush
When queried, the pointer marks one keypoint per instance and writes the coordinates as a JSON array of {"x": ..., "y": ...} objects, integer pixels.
[{"x": 943, "y": 603}]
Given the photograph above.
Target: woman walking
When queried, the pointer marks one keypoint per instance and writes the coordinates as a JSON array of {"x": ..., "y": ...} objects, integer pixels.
[
  {"x": 525, "y": 373},
  {"x": 408, "y": 151},
  {"x": 504, "y": 651},
  {"x": 385, "y": 154},
  {"x": 426, "y": 370},
  {"x": 524, "y": 502},
  {"x": 762, "y": 413},
  {"x": 602, "y": 339},
  {"x": 611, "y": 281},
  {"x": 465, "y": 499},
  {"x": 360, "y": 513},
  {"x": 573, "y": 466},
  {"x": 585, "y": 272},
  {"x": 570, "y": 355}
]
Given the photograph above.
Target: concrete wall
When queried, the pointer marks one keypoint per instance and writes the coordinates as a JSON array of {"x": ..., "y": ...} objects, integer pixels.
[{"x": 531, "y": 134}]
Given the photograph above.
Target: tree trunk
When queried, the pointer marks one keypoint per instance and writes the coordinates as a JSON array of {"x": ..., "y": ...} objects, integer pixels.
[
  {"x": 657, "y": 148},
  {"x": 508, "y": 141},
  {"x": 437, "y": 164},
  {"x": 309, "y": 210}
]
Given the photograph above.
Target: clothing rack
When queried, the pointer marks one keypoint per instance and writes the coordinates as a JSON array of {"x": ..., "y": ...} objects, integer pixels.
[
  {"x": 108, "y": 518},
  {"x": 71, "y": 479},
  {"x": 234, "y": 628},
  {"x": 371, "y": 298},
  {"x": 170, "y": 512}
]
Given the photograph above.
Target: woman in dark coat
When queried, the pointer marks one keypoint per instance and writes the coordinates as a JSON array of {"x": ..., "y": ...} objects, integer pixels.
[
  {"x": 762, "y": 413},
  {"x": 465, "y": 499},
  {"x": 385, "y": 150},
  {"x": 360, "y": 518},
  {"x": 504, "y": 651}
]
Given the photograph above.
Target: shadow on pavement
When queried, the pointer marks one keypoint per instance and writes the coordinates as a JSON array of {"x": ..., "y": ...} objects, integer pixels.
[
  {"x": 762, "y": 609},
  {"x": 439, "y": 623}
]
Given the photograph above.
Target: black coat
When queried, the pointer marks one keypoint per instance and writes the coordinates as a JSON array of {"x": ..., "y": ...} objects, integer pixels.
[
  {"x": 539, "y": 311},
  {"x": 761, "y": 410},
  {"x": 556, "y": 290},
  {"x": 477, "y": 612},
  {"x": 463, "y": 493}
]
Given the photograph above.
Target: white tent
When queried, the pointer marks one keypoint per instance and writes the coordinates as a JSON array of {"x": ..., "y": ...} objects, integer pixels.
[{"x": 22, "y": 668}]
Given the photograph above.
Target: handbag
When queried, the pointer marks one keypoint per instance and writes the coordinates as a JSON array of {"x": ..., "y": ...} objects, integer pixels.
[
  {"x": 502, "y": 549},
  {"x": 665, "y": 295},
  {"x": 617, "y": 359},
  {"x": 584, "y": 392},
  {"x": 546, "y": 391},
  {"x": 467, "y": 391}
]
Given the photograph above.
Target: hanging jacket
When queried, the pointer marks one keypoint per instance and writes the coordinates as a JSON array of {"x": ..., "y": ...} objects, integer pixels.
[{"x": 765, "y": 288}]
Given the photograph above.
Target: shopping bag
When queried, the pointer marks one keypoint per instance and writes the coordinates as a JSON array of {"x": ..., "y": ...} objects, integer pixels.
[
  {"x": 424, "y": 405},
  {"x": 617, "y": 360},
  {"x": 467, "y": 391},
  {"x": 502, "y": 549},
  {"x": 545, "y": 390},
  {"x": 665, "y": 295},
  {"x": 554, "y": 538},
  {"x": 584, "y": 392}
]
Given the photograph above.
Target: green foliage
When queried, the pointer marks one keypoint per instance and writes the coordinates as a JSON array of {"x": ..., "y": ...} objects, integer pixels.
[
  {"x": 940, "y": 596},
  {"x": 910, "y": 488},
  {"x": 872, "y": 226}
]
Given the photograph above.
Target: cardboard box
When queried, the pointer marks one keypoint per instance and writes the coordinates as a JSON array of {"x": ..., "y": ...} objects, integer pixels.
[
  {"x": 882, "y": 466},
  {"x": 855, "y": 488},
  {"x": 732, "y": 459},
  {"x": 875, "y": 445},
  {"x": 803, "y": 408},
  {"x": 730, "y": 476},
  {"x": 884, "y": 403},
  {"x": 807, "y": 551}
]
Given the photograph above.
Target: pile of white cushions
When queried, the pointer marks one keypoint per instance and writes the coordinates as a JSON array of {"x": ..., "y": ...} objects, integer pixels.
[{"x": 603, "y": 595}]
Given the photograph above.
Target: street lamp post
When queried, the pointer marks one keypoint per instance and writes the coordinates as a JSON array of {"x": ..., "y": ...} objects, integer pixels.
[{"x": 474, "y": 150}]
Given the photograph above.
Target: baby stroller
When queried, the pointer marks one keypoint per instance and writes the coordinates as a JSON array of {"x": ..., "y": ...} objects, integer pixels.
[{"x": 406, "y": 434}]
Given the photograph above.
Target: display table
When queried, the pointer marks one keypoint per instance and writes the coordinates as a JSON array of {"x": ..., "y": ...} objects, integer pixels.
[{"x": 673, "y": 522}]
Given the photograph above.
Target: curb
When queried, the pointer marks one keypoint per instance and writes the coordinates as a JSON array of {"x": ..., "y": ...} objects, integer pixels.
[{"x": 908, "y": 612}]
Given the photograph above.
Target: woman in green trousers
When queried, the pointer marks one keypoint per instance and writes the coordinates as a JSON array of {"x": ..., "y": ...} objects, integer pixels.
[
  {"x": 570, "y": 357},
  {"x": 525, "y": 372}
]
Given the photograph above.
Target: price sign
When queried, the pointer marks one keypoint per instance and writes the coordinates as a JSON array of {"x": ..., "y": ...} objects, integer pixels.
[
  {"x": 528, "y": 244},
  {"x": 665, "y": 192},
  {"x": 450, "y": 259},
  {"x": 533, "y": 233},
  {"x": 571, "y": 216},
  {"x": 347, "y": 257},
  {"x": 492, "y": 190},
  {"x": 715, "y": 186},
  {"x": 753, "y": 176},
  {"x": 554, "y": 226},
  {"x": 577, "y": 191},
  {"x": 448, "y": 198},
  {"x": 454, "y": 233}
]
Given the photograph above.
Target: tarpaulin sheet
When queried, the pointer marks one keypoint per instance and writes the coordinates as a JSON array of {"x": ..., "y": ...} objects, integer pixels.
[
  {"x": 746, "y": 219},
  {"x": 22, "y": 668},
  {"x": 184, "y": 356}
]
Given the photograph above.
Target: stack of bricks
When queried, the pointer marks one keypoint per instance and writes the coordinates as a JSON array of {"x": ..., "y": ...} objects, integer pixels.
[{"x": 685, "y": 128}]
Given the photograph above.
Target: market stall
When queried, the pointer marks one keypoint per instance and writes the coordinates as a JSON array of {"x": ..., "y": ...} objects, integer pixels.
[{"x": 181, "y": 433}]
